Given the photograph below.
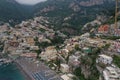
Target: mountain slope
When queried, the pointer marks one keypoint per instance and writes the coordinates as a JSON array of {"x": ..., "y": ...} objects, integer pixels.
[
  {"x": 66, "y": 15},
  {"x": 73, "y": 13},
  {"x": 11, "y": 10}
]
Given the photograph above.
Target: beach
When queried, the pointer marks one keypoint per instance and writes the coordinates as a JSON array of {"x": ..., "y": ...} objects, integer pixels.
[
  {"x": 35, "y": 70},
  {"x": 27, "y": 77}
]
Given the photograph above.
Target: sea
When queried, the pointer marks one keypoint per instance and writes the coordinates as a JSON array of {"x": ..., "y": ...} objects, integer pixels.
[{"x": 10, "y": 72}]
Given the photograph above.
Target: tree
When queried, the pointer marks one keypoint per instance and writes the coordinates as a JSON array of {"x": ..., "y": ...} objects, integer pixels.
[
  {"x": 78, "y": 73},
  {"x": 77, "y": 47},
  {"x": 57, "y": 40},
  {"x": 116, "y": 60},
  {"x": 38, "y": 52},
  {"x": 106, "y": 46}
]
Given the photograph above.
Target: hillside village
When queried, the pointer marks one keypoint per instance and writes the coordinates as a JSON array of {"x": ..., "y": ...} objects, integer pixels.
[{"x": 69, "y": 58}]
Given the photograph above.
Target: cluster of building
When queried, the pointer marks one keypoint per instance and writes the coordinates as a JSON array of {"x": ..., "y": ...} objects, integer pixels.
[
  {"x": 116, "y": 46},
  {"x": 23, "y": 39},
  {"x": 85, "y": 44},
  {"x": 109, "y": 30},
  {"x": 111, "y": 71},
  {"x": 20, "y": 41}
]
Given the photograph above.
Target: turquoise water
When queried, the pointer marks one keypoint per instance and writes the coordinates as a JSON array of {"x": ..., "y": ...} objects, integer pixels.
[{"x": 10, "y": 72}]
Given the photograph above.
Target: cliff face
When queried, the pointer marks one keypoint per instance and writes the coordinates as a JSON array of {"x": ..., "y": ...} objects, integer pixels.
[
  {"x": 75, "y": 5},
  {"x": 94, "y": 2}
]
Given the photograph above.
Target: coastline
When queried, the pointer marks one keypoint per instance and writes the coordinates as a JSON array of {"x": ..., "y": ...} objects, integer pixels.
[
  {"x": 23, "y": 72},
  {"x": 31, "y": 69}
]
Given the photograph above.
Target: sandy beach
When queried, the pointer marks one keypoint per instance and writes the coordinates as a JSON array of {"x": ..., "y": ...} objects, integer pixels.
[
  {"x": 27, "y": 77},
  {"x": 33, "y": 70}
]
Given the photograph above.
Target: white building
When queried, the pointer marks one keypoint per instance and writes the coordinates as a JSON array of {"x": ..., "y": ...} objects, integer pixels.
[
  {"x": 74, "y": 61},
  {"x": 34, "y": 47},
  {"x": 67, "y": 76},
  {"x": 111, "y": 73},
  {"x": 64, "y": 68},
  {"x": 104, "y": 59}
]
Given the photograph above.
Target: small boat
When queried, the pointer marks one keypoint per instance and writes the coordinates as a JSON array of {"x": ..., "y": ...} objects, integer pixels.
[{"x": 4, "y": 61}]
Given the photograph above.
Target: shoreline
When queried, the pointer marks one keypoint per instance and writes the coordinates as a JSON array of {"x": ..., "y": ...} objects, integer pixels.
[
  {"x": 23, "y": 72},
  {"x": 35, "y": 71}
]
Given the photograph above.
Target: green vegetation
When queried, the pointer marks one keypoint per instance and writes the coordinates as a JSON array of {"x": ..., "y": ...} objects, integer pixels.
[
  {"x": 57, "y": 40},
  {"x": 44, "y": 44},
  {"x": 106, "y": 46},
  {"x": 1, "y": 46},
  {"x": 42, "y": 30},
  {"x": 116, "y": 60},
  {"x": 76, "y": 19},
  {"x": 11, "y": 10},
  {"x": 78, "y": 73},
  {"x": 77, "y": 48},
  {"x": 110, "y": 37},
  {"x": 38, "y": 52},
  {"x": 58, "y": 10},
  {"x": 5, "y": 55},
  {"x": 95, "y": 73},
  {"x": 89, "y": 62}
]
